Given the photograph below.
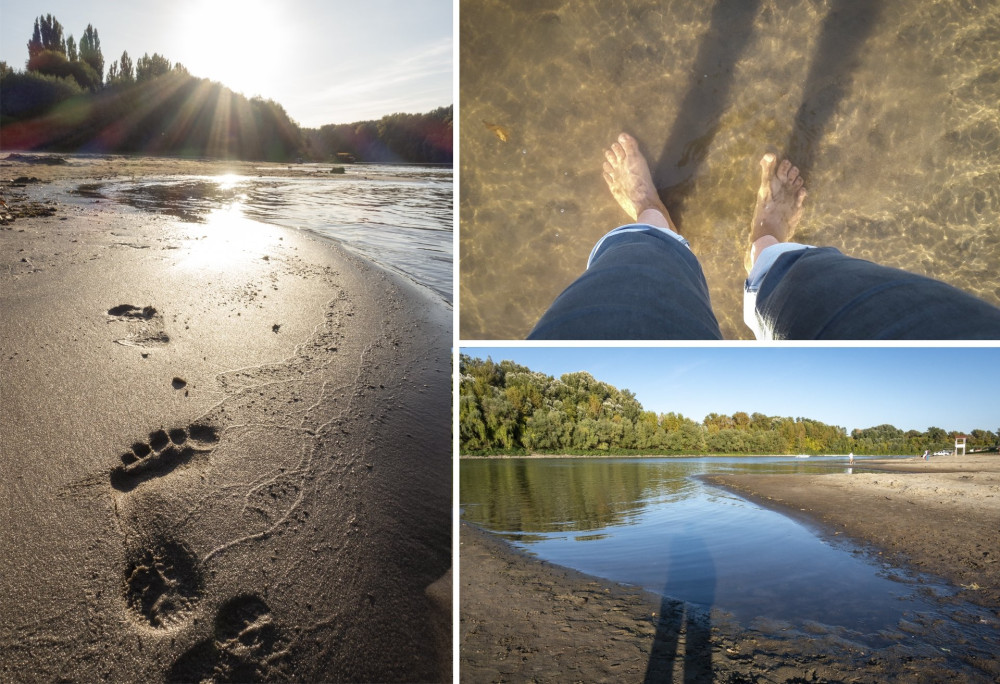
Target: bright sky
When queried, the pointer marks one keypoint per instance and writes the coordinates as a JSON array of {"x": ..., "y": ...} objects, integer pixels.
[
  {"x": 325, "y": 61},
  {"x": 911, "y": 388}
]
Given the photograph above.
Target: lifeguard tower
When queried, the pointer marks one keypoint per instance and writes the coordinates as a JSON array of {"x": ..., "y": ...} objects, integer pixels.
[{"x": 960, "y": 444}]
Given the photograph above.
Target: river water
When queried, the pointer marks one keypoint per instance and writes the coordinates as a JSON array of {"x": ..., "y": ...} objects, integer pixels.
[
  {"x": 655, "y": 524},
  {"x": 399, "y": 216},
  {"x": 889, "y": 108}
]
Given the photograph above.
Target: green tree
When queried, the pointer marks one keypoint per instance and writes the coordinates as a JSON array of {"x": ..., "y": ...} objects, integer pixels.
[
  {"x": 71, "y": 49},
  {"x": 147, "y": 68},
  {"x": 125, "y": 71},
  {"x": 90, "y": 51},
  {"x": 53, "y": 63},
  {"x": 47, "y": 35}
]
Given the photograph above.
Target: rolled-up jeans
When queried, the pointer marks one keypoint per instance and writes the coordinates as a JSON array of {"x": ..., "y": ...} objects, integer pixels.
[{"x": 643, "y": 282}]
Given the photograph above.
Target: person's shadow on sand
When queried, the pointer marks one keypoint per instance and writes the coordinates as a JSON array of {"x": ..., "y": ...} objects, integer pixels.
[{"x": 682, "y": 631}]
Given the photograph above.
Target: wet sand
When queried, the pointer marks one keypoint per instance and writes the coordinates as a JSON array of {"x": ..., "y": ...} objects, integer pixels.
[
  {"x": 524, "y": 619},
  {"x": 888, "y": 108},
  {"x": 940, "y": 516},
  {"x": 225, "y": 457}
]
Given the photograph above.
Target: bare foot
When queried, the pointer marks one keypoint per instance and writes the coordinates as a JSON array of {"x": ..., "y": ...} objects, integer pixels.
[
  {"x": 627, "y": 175},
  {"x": 779, "y": 205}
]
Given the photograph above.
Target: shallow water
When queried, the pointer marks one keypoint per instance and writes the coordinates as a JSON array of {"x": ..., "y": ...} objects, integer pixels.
[
  {"x": 652, "y": 523},
  {"x": 890, "y": 108},
  {"x": 397, "y": 216}
]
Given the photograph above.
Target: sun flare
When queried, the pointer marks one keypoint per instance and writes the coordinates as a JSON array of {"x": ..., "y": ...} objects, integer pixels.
[{"x": 238, "y": 43}]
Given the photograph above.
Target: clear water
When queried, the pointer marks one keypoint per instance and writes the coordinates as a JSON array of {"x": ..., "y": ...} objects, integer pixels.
[
  {"x": 398, "y": 216},
  {"x": 653, "y": 523},
  {"x": 890, "y": 108}
]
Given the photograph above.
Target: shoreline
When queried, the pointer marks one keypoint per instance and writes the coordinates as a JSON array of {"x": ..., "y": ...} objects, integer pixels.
[
  {"x": 940, "y": 517},
  {"x": 210, "y": 442},
  {"x": 104, "y": 166},
  {"x": 883, "y": 462},
  {"x": 522, "y": 618}
]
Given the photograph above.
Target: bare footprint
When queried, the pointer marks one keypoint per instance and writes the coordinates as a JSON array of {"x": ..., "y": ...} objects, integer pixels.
[
  {"x": 146, "y": 325},
  {"x": 133, "y": 312},
  {"x": 246, "y": 646},
  {"x": 163, "y": 453},
  {"x": 162, "y": 583}
]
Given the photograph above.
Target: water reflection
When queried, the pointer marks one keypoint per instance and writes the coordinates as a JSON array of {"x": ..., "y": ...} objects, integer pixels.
[
  {"x": 398, "y": 217},
  {"x": 566, "y": 495},
  {"x": 653, "y": 523},
  {"x": 226, "y": 238}
]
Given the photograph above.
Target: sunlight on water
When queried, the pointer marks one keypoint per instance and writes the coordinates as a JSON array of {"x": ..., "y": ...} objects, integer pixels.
[
  {"x": 400, "y": 217},
  {"x": 227, "y": 239}
]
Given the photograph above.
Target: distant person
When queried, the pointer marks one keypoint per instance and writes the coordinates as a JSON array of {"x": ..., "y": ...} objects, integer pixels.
[
  {"x": 851, "y": 457},
  {"x": 643, "y": 281},
  {"x": 927, "y": 453}
]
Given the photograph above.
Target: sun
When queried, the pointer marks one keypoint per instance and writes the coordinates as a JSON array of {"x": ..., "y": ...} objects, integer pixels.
[{"x": 239, "y": 43}]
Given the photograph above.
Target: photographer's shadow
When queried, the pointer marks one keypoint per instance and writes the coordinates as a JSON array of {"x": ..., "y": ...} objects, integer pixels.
[{"x": 684, "y": 632}]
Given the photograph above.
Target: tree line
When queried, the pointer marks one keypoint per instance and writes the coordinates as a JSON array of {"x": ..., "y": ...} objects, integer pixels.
[
  {"x": 508, "y": 408},
  {"x": 63, "y": 102}
]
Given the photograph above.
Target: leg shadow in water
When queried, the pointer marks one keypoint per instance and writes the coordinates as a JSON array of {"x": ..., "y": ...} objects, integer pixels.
[
  {"x": 845, "y": 29},
  {"x": 690, "y": 574},
  {"x": 697, "y": 116}
]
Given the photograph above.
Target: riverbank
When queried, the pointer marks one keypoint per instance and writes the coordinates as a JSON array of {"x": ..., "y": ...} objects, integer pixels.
[
  {"x": 226, "y": 451},
  {"x": 940, "y": 516},
  {"x": 50, "y": 166},
  {"x": 523, "y": 619}
]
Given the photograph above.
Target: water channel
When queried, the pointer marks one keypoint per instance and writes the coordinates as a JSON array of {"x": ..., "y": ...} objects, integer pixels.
[{"x": 654, "y": 523}]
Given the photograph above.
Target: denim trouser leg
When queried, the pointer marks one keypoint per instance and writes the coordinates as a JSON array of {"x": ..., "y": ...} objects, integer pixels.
[
  {"x": 819, "y": 293},
  {"x": 642, "y": 283}
]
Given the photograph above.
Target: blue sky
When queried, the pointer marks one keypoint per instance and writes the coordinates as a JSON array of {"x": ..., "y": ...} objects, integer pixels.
[
  {"x": 325, "y": 61},
  {"x": 858, "y": 387}
]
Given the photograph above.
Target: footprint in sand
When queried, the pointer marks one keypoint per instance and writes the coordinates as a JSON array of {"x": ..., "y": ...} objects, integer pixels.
[
  {"x": 246, "y": 646},
  {"x": 150, "y": 332},
  {"x": 131, "y": 311},
  {"x": 164, "y": 452},
  {"x": 162, "y": 583}
]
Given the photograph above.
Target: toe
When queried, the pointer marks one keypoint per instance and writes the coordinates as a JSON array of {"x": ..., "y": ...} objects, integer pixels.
[
  {"x": 609, "y": 154},
  {"x": 783, "y": 168},
  {"x": 608, "y": 168},
  {"x": 767, "y": 163},
  {"x": 797, "y": 183},
  {"x": 767, "y": 167},
  {"x": 793, "y": 174},
  {"x": 608, "y": 179},
  {"x": 628, "y": 143},
  {"x": 800, "y": 197}
]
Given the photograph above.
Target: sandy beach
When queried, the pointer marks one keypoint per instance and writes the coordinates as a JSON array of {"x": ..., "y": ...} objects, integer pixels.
[
  {"x": 226, "y": 454},
  {"x": 523, "y": 619}
]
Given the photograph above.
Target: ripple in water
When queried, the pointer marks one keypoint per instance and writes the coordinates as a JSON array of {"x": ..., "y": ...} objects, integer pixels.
[{"x": 400, "y": 217}]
